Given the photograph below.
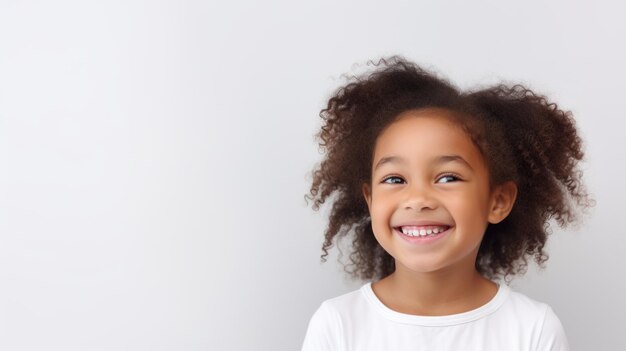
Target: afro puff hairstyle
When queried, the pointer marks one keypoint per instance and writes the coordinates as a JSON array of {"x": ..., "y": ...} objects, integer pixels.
[{"x": 523, "y": 137}]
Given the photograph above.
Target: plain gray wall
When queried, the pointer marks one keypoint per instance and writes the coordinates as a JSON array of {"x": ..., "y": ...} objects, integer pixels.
[{"x": 154, "y": 158}]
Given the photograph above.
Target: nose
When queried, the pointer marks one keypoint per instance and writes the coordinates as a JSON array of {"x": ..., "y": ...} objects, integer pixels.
[{"x": 419, "y": 197}]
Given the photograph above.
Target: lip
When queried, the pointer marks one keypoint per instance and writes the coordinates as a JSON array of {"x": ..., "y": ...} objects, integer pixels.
[{"x": 430, "y": 239}]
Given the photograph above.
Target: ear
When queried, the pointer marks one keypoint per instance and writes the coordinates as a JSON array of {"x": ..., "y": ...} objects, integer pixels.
[
  {"x": 367, "y": 194},
  {"x": 502, "y": 200}
]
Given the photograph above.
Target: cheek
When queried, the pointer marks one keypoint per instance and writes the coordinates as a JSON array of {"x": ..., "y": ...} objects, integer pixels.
[
  {"x": 377, "y": 205},
  {"x": 380, "y": 215},
  {"x": 471, "y": 206}
]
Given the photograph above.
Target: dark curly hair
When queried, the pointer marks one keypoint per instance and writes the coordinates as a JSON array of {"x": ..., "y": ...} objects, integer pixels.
[{"x": 523, "y": 138}]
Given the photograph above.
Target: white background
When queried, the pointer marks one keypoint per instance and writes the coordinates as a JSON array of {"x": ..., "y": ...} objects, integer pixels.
[{"x": 154, "y": 158}]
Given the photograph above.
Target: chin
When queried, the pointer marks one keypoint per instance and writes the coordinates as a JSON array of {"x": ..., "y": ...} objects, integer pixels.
[{"x": 422, "y": 267}]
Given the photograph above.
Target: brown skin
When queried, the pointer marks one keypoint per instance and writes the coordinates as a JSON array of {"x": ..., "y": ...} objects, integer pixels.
[
  {"x": 438, "y": 278},
  {"x": 523, "y": 138},
  {"x": 435, "y": 296}
]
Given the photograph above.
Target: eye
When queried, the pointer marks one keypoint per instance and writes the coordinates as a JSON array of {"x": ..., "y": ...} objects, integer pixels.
[
  {"x": 448, "y": 178},
  {"x": 393, "y": 177}
]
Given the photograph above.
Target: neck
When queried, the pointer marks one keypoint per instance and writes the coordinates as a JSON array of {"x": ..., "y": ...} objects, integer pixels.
[{"x": 442, "y": 292}]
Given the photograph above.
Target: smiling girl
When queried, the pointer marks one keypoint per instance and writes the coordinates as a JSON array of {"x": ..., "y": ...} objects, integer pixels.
[{"x": 443, "y": 192}]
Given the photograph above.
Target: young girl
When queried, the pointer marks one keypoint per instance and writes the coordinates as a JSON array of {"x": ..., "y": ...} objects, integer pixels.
[{"x": 444, "y": 192}]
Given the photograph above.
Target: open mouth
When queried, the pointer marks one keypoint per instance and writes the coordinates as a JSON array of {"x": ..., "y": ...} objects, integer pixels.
[{"x": 422, "y": 231}]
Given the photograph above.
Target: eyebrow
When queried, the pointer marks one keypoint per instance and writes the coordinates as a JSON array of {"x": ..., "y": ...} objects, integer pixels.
[{"x": 438, "y": 160}]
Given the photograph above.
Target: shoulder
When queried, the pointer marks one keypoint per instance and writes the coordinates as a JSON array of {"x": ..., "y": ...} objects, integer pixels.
[
  {"x": 525, "y": 305},
  {"x": 552, "y": 335},
  {"x": 325, "y": 329},
  {"x": 538, "y": 317},
  {"x": 343, "y": 308},
  {"x": 347, "y": 302}
]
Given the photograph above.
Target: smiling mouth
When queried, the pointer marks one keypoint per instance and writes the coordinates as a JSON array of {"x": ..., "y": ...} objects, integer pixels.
[{"x": 422, "y": 231}]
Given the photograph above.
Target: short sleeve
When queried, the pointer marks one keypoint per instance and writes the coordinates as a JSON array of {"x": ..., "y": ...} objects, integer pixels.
[
  {"x": 323, "y": 332},
  {"x": 552, "y": 336}
]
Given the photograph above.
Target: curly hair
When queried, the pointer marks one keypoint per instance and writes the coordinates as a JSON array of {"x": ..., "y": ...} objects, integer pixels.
[{"x": 523, "y": 138}]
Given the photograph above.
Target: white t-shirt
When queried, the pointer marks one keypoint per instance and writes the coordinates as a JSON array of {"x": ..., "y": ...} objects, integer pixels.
[{"x": 359, "y": 321}]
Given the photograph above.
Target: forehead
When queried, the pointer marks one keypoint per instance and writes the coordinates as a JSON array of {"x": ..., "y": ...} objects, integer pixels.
[{"x": 426, "y": 134}]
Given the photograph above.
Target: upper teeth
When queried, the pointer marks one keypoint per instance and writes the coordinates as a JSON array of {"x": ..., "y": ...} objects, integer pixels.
[{"x": 422, "y": 231}]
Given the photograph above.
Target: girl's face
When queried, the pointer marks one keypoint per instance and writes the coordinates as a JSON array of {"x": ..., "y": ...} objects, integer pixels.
[{"x": 429, "y": 200}]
